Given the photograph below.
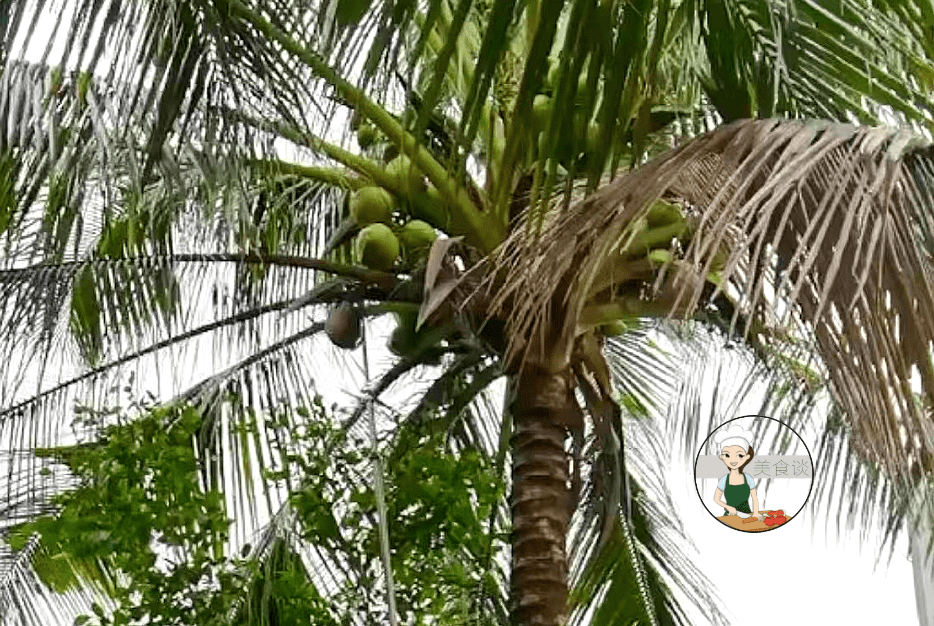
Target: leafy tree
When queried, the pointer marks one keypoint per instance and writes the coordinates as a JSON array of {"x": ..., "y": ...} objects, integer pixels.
[
  {"x": 196, "y": 151},
  {"x": 140, "y": 528}
]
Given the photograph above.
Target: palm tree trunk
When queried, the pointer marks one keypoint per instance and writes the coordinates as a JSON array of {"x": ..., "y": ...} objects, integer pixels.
[{"x": 540, "y": 500}]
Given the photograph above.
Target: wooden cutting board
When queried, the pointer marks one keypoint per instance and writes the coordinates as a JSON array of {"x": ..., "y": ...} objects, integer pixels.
[{"x": 735, "y": 521}]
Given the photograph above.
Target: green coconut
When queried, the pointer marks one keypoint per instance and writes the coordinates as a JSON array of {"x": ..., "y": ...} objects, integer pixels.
[
  {"x": 403, "y": 339},
  {"x": 593, "y": 136},
  {"x": 416, "y": 238},
  {"x": 366, "y": 135},
  {"x": 541, "y": 110},
  {"x": 663, "y": 213},
  {"x": 377, "y": 247},
  {"x": 370, "y": 205},
  {"x": 406, "y": 175},
  {"x": 614, "y": 328}
]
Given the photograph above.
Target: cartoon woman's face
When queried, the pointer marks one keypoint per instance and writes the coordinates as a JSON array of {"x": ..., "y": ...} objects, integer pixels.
[{"x": 733, "y": 456}]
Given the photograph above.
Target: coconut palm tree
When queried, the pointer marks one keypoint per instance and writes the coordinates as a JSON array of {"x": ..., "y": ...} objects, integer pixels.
[{"x": 198, "y": 146}]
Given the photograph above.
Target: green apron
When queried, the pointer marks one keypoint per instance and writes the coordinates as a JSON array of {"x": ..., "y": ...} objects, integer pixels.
[{"x": 737, "y": 495}]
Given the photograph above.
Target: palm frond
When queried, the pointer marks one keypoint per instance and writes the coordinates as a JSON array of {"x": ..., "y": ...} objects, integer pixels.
[
  {"x": 630, "y": 560},
  {"x": 831, "y": 220}
]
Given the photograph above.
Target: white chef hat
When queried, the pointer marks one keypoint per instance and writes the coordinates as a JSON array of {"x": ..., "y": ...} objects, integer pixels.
[{"x": 733, "y": 436}]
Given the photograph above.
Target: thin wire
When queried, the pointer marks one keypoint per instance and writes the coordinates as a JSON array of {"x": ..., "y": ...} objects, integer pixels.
[{"x": 380, "y": 492}]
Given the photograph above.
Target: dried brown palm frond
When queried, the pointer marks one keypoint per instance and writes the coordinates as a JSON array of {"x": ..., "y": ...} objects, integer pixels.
[{"x": 828, "y": 233}]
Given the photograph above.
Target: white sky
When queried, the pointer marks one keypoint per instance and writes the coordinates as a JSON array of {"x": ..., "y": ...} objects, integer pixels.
[
  {"x": 798, "y": 575},
  {"x": 801, "y": 573},
  {"x": 803, "y": 576}
]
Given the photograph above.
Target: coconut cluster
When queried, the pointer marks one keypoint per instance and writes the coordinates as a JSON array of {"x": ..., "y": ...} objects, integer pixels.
[
  {"x": 587, "y": 133},
  {"x": 662, "y": 222},
  {"x": 387, "y": 237}
]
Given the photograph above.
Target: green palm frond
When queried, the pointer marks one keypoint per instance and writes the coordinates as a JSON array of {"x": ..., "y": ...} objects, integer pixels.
[
  {"x": 26, "y": 599},
  {"x": 629, "y": 559}
]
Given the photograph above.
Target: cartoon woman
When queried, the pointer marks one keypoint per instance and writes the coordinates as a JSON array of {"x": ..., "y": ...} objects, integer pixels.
[{"x": 736, "y": 486}]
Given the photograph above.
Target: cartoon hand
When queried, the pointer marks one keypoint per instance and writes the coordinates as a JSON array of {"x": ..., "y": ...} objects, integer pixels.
[{"x": 731, "y": 509}]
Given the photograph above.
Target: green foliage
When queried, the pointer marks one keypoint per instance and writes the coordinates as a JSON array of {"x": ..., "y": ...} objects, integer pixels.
[
  {"x": 140, "y": 527},
  {"x": 280, "y": 592},
  {"x": 139, "y": 498},
  {"x": 439, "y": 507},
  {"x": 616, "y": 75}
]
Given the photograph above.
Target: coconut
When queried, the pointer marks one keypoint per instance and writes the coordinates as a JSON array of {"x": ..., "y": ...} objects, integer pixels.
[
  {"x": 663, "y": 213},
  {"x": 406, "y": 175},
  {"x": 403, "y": 338},
  {"x": 369, "y": 205},
  {"x": 416, "y": 238},
  {"x": 614, "y": 328},
  {"x": 593, "y": 136},
  {"x": 343, "y": 326},
  {"x": 366, "y": 136},
  {"x": 541, "y": 109},
  {"x": 377, "y": 247}
]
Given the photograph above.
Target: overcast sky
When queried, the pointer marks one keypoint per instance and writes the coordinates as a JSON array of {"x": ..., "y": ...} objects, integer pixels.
[{"x": 800, "y": 573}]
